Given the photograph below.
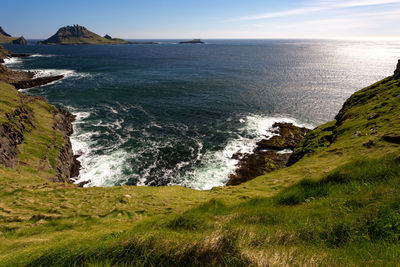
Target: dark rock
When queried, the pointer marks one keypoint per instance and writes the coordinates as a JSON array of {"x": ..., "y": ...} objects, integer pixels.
[
  {"x": 11, "y": 135},
  {"x": 108, "y": 37},
  {"x": 20, "y": 55},
  {"x": 63, "y": 121},
  {"x": 263, "y": 160},
  {"x": 256, "y": 164},
  {"x": 36, "y": 82},
  {"x": 82, "y": 184},
  {"x": 391, "y": 138},
  {"x": 67, "y": 164},
  {"x": 3, "y": 32},
  {"x": 369, "y": 144},
  {"x": 397, "y": 71},
  {"x": 289, "y": 137},
  {"x": 20, "y": 41}
]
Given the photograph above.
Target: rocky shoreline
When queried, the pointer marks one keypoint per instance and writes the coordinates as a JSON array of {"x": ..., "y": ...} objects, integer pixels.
[
  {"x": 22, "y": 120},
  {"x": 270, "y": 154},
  {"x": 21, "y": 79}
]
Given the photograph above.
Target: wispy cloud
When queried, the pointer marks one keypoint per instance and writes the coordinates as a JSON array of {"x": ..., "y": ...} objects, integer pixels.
[{"x": 316, "y": 7}]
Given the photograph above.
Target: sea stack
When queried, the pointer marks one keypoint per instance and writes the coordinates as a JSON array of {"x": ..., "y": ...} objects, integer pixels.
[{"x": 397, "y": 71}]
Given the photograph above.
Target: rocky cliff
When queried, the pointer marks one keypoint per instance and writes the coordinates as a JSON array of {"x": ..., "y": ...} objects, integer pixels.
[
  {"x": 269, "y": 155},
  {"x": 6, "y": 38},
  {"x": 397, "y": 71},
  {"x": 33, "y": 133},
  {"x": 3, "y": 32},
  {"x": 36, "y": 134}
]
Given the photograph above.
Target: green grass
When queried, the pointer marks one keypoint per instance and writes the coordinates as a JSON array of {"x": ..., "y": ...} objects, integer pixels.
[{"x": 338, "y": 206}]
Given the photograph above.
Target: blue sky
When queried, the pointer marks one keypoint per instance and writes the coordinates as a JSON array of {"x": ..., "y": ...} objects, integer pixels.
[{"x": 206, "y": 18}]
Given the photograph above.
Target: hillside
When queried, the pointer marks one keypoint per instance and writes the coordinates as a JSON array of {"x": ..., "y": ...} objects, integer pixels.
[
  {"x": 6, "y": 38},
  {"x": 337, "y": 204},
  {"x": 79, "y": 35}
]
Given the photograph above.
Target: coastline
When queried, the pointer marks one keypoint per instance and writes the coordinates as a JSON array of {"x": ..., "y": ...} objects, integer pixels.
[{"x": 12, "y": 134}]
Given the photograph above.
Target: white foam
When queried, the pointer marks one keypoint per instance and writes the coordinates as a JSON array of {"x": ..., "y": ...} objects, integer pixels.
[
  {"x": 41, "y": 55},
  {"x": 218, "y": 165},
  {"x": 54, "y": 72},
  {"x": 12, "y": 61},
  {"x": 100, "y": 169}
]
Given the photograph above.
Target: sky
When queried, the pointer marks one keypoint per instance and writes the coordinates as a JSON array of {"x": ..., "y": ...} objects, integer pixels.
[{"x": 207, "y": 19}]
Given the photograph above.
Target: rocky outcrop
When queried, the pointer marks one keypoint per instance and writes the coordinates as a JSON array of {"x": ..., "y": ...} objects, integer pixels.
[
  {"x": 4, "y": 54},
  {"x": 397, "y": 71},
  {"x": 265, "y": 157},
  {"x": 67, "y": 164},
  {"x": 108, "y": 37},
  {"x": 4, "y": 33},
  {"x": 23, "y": 84},
  {"x": 12, "y": 134},
  {"x": 289, "y": 136},
  {"x": 20, "y": 41},
  {"x": 21, "y": 79},
  {"x": 258, "y": 163},
  {"x": 21, "y": 121}
]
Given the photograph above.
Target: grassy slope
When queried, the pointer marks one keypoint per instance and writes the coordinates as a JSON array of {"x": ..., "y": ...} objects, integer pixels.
[
  {"x": 345, "y": 212},
  {"x": 6, "y": 39}
]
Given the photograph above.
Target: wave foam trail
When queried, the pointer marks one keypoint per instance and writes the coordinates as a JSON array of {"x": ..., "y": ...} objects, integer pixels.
[
  {"x": 218, "y": 165},
  {"x": 54, "y": 72},
  {"x": 41, "y": 55}
]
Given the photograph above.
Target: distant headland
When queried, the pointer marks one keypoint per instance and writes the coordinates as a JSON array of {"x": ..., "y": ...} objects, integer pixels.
[
  {"x": 79, "y": 35},
  {"x": 6, "y": 38}
]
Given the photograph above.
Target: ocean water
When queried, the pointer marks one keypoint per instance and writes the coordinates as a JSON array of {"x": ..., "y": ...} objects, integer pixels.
[{"x": 171, "y": 114}]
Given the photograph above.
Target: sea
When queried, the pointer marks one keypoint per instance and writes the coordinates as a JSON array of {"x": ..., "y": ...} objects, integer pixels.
[{"x": 175, "y": 114}]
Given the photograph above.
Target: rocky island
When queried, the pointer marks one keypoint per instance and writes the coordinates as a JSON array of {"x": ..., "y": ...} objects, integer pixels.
[
  {"x": 6, "y": 38},
  {"x": 70, "y": 35},
  {"x": 194, "y": 41}
]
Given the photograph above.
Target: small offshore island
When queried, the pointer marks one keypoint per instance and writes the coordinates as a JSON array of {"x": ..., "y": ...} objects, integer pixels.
[
  {"x": 194, "y": 41},
  {"x": 79, "y": 35},
  {"x": 333, "y": 201}
]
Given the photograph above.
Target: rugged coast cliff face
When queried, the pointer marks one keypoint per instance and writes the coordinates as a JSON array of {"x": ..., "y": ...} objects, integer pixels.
[
  {"x": 34, "y": 135},
  {"x": 397, "y": 71}
]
